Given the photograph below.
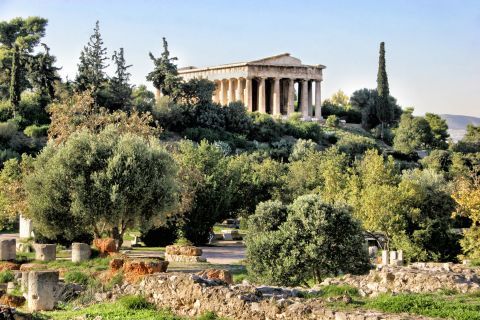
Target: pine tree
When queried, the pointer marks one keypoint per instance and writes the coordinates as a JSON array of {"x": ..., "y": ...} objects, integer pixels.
[
  {"x": 43, "y": 73},
  {"x": 120, "y": 89},
  {"x": 165, "y": 75},
  {"x": 15, "y": 80},
  {"x": 383, "y": 108},
  {"x": 91, "y": 74}
]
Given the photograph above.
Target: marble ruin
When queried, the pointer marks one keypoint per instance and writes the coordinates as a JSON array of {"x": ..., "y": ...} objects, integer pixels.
[{"x": 268, "y": 85}]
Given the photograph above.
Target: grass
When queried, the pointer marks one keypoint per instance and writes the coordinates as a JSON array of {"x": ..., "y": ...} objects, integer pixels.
[
  {"x": 129, "y": 307},
  {"x": 77, "y": 277},
  {"x": 332, "y": 291},
  {"x": 6, "y": 276}
]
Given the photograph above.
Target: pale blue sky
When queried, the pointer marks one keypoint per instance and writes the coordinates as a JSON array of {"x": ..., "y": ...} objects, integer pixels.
[{"x": 433, "y": 47}]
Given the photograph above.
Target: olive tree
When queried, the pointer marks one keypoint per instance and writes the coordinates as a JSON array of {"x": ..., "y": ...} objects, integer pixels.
[
  {"x": 100, "y": 183},
  {"x": 316, "y": 240}
]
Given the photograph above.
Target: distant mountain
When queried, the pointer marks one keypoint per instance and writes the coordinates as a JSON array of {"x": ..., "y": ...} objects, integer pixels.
[{"x": 457, "y": 124}]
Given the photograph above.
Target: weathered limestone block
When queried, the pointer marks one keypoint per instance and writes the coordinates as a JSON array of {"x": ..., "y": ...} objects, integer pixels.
[
  {"x": 219, "y": 274},
  {"x": 80, "y": 252},
  {"x": 24, "y": 283},
  {"x": 45, "y": 252},
  {"x": 231, "y": 235},
  {"x": 107, "y": 245},
  {"x": 182, "y": 258},
  {"x": 26, "y": 228},
  {"x": 384, "y": 257},
  {"x": 393, "y": 258},
  {"x": 183, "y": 250},
  {"x": 41, "y": 289},
  {"x": 8, "y": 250},
  {"x": 136, "y": 269}
]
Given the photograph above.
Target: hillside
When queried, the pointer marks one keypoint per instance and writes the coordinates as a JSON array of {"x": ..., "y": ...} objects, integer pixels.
[{"x": 458, "y": 123}]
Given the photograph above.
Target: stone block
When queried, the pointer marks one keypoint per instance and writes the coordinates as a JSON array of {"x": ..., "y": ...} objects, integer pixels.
[
  {"x": 183, "y": 250},
  {"x": 80, "y": 252},
  {"x": 24, "y": 283},
  {"x": 230, "y": 235},
  {"x": 26, "y": 228},
  {"x": 41, "y": 290},
  {"x": 400, "y": 257},
  {"x": 219, "y": 274},
  {"x": 183, "y": 258},
  {"x": 45, "y": 252},
  {"x": 107, "y": 245},
  {"x": 8, "y": 249},
  {"x": 393, "y": 257},
  {"x": 384, "y": 257}
]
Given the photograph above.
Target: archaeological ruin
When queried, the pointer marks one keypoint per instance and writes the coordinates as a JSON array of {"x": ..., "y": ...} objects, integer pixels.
[{"x": 272, "y": 85}]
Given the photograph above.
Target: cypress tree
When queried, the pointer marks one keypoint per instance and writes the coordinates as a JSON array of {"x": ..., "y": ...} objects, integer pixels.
[
  {"x": 120, "y": 89},
  {"x": 383, "y": 108},
  {"x": 14, "y": 89}
]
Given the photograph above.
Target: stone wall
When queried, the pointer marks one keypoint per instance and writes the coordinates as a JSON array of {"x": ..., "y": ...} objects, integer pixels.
[
  {"x": 191, "y": 295},
  {"x": 416, "y": 278}
]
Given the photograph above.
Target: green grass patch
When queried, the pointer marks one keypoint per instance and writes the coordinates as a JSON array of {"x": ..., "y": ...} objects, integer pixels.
[
  {"x": 77, "y": 277},
  {"x": 332, "y": 291},
  {"x": 459, "y": 307},
  {"x": 6, "y": 276},
  {"x": 135, "y": 303}
]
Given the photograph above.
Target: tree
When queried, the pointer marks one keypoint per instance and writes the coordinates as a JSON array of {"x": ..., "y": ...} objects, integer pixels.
[
  {"x": 268, "y": 216},
  {"x": 119, "y": 87},
  {"x": 44, "y": 74},
  {"x": 165, "y": 75},
  {"x": 100, "y": 183},
  {"x": 91, "y": 74},
  {"x": 308, "y": 245},
  {"x": 15, "y": 81},
  {"x": 143, "y": 100},
  {"x": 196, "y": 91},
  {"x": 439, "y": 128},
  {"x": 412, "y": 133},
  {"x": 383, "y": 108}
]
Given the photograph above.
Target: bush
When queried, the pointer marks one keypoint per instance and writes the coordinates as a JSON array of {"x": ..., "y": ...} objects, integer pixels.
[
  {"x": 237, "y": 119},
  {"x": 135, "y": 303},
  {"x": 36, "y": 131},
  {"x": 6, "y": 111},
  {"x": 160, "y": 236},
  {"x": 308, "y": 245},
  {"x": 332, "y": 121},
  {"x": 7, "y": 154},
  {"x": 6, "y": 276},
  {"x": 77, "y": 277},
  {"x": 348, "y": 113},
  {"x": 303, "y": 129},
  {"x": 32, "y": 108},
  {"x": 265, "y": 128},
  {"x": 353, "y": 144},
  {"x": 301, "y": 148},
  {"x": 7, "y": 131},
  {"x": 268, "y": 216}
]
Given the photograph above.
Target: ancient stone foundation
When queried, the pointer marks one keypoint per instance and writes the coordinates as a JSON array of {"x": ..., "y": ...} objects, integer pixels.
[
  {"x": 192, "y": 295},
  {"x": 80, "y": 252},
  {"x": 8, "y": 250},
  {"x": 45, "y": 252},
  {"x": 175, "y": 253},
  {"x": 41, "y": 290}
]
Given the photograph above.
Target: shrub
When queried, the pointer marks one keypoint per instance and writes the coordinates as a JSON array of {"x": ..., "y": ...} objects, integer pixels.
[
  {"x": 308, "y": 245},
  {"x": 135, "y": 303},
  {"x": 7, "y": 154},
  {"x": 332, "y": 121},
  {"x": 209, "y": 315},
  {"x": 303, "y": 129},
  {"x": 301, "y": 148},
  {"x": 353, "y": 144},
  {"x": 237, "y": 118},
  {"x": 77, "y": 277},
  {"x": 36, "y": 131},
  {"x": 268, "y": 216},
  {"x": 7, "y": 131},
  {"x": 6, "y": 276},
  {"x": 6, "y": 111},
  {"x": 160, "y": 236},
  {"x": 264, "y": 128}
]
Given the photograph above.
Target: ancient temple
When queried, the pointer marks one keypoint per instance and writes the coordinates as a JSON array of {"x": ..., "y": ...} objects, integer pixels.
[{"x": 273, "y": 85}]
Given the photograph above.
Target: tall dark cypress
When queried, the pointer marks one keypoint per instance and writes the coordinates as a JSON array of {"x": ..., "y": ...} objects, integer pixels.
[
  {"x": 14, "y": 89},
  {"x": 383, "y": 108}
]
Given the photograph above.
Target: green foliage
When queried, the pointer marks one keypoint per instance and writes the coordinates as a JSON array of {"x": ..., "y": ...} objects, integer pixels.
[
  {"x": 295, "y": 252},
  {"x": 269, "y": 215},
  {"x": 132, "y": 302},
  {"x": 301, "y": 148},
  {"x": 32, "y": 109},
  {"x": 384, "y": 110},
  {"x": 439, "y": 130},
  {"x": 6, "y": 276},
  {"x": 143, "y": 100},
  {"x": 237, "y": 119},
  {"x": 264, "y": 128},
  {"x": 99, "y": 183},
  {"x": 36, "y": 131},
  {"x": 196, "y": 91},
  {"x": 412, "y": 133},
  {"x": 438, "y": 160},
  {"x": 342, "y": 109},
  {"x": 303, "y": 129},
  {"x": 77, "y": 277},
  {"x": 119, "y": 89},
  {"x": 430, "y": 305},
  {"x": 332, "y": 121},
  {"x": 354, "y": 144},
  {"x": 333, "y": 291}
]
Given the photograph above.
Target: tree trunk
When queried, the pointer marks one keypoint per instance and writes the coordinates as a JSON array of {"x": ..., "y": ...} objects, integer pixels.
[{"x": 117, "y": 236}]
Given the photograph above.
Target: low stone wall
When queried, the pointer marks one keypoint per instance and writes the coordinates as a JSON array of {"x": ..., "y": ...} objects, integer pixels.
[
  {"x": 191, "y": 295},
  {"x": 417, "y": 278}
]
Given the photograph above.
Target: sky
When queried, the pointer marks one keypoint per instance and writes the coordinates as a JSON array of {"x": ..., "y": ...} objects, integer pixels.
[{"x": 432, "y": 46}]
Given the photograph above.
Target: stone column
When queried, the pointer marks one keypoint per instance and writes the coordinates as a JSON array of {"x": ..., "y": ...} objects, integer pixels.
[
  {"x": 276, "y": 97},
  {"x": 8, "y": 249},
  {"x": 291, "y": 97},
  {"x": 310, "y": 95},
  {"x": 216, "y": 93},
  {"x": 80, "y": 252},
  {"x": 223, "y": 92},
  {"x": 26, "y": 228},
  {"x": 384, "y": 257},
  {"x": 261, "y": 96},
  {"x": 45, "y": 252},
  {"x": 231, "y": 90},
  {"x": 304, "y": 99},
  {"x": 318, "y": 99},
  {"x": 41, "y": 289},
  {"x": 248, "y": 94},
  {"x": 239, "y": 91}
]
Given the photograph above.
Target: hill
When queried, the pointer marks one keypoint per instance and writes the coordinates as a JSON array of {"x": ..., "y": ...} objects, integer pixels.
[{"x": 458, "y": 123}]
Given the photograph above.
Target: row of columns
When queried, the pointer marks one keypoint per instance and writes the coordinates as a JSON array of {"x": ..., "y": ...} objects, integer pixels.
[{"x": 241, "y": 89}]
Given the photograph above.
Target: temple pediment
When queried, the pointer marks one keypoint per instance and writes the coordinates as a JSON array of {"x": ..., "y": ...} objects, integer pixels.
[{"x": 281, "y": 59}]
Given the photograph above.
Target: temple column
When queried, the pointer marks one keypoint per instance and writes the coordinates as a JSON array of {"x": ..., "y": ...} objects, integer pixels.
[
  {"x": 231, "y": 90},
  {"x": 248, "y": 94},
  {"x": 318, "y": 99},
  {"x": 291, "y": 97},
  {"x": 310, "y": 96},
  {"x": 239, "y": 91},
  {"x": 216, "y": 93},
  {"x": 261, "y": 96},
  {"x": 276, "y": 97},
  {"x": 304, "y": 99},
  {"x": 223, "y": 92}
]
